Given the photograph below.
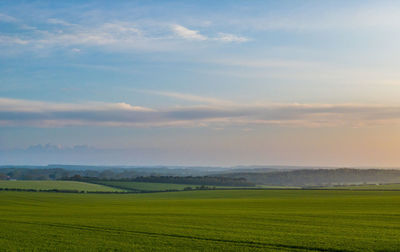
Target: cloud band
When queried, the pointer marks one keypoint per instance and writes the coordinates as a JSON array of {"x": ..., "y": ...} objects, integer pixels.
[{"x": 48, "y": 114}]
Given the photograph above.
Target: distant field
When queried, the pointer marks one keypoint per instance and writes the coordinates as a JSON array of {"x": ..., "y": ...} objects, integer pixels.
[
  {"x": 234, "y": 220},
  {"x": 278, "y": 187},
  {"x": 369, "y": 187},
  {"x": 146, "y": 186},
  {"x": 59, "y": 185}
]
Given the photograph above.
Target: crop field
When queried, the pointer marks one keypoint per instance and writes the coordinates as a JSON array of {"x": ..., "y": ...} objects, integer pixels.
[
  {"x": 236, "y": 220},
  {"x": 148, "y": 186},
  {"x": 145, "y": 186},
  {"x": 58, "y": 185}
]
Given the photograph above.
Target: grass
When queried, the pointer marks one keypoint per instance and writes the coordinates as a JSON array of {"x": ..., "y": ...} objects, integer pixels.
[
  {"x": 59, "y": 185},
  {"x": 234, "y": 220}
]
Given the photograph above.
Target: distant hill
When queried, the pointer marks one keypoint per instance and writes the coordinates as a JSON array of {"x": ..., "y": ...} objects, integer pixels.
[
  {"x": 56, "y": 171},
  {"x": 108, "y": 172},
  {"x": 261, "y": 175},
  {"x": 319, "y": 177}
]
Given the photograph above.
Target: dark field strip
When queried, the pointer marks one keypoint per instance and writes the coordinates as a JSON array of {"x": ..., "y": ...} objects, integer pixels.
[
  {"x": 246, "y": 243},
  {"x": 241, "y": 220}
]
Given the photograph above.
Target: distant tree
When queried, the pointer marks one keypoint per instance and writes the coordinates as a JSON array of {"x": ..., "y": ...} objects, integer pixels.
[
  {"x": 76, "y": 177},
  {"x": 3, "y": 176}
]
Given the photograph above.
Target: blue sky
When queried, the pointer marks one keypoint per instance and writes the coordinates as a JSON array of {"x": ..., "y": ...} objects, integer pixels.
[{"x": 200, "y": 82}]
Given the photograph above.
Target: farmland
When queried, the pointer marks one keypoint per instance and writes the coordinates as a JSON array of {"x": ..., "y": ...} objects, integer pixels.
[
  {"x": 240, "y": 220},
  {"x": 369, "y": 187},
  {"x": 56, "y": 185},
  {"x": 147, "y": 186}
]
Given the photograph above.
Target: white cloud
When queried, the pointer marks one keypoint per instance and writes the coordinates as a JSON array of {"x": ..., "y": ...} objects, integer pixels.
[
  {"x": 226, "y": 37},
  {"x": 186, "y": 33},
  {"x": 113, "y": 36},
  {"x": 108, "y": 34},
  {"x": 117, "y": 36}
]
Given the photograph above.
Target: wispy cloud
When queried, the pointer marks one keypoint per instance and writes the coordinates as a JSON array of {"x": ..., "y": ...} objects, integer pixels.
[
  {"x": 186, "y": 33},
  {"x": 7, "y": 18},
  {"x": 226, "y": 37},
  {"x": 57, "y": 21},
  {"x": 189, "y": 97},
  {"x": 7, "y": 104},
  {"x": 189, "y": 34},
  {"x": 317, "y": 18},
  {"x": 263, "y": 63},
  {"x": 105, "y": 34},
  {"x": 47, "y": 114},
  {"x": 115, "y": 35},
  {"x": 12, "y": 40}
]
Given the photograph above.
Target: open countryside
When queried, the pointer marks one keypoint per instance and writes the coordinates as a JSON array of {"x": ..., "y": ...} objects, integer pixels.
[
  {"x": 200, "y": 126},
  {"x": 284, "y": 220}
]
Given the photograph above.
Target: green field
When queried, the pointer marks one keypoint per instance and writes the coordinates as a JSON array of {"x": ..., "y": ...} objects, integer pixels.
[
  {"x": 58, "y": 185},
  {"x": 147, "y": 186},
  {"x": 242, "y": 220},
  {"x": 368, "y": 187},
  {"x": 277, "y": 187}
]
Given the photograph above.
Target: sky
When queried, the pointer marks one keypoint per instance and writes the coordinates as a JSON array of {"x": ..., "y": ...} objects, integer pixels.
[{"x": 200, "y": 83}]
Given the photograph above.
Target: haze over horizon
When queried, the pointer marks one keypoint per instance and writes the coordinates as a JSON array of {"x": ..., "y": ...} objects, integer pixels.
[{"x": 189, "y": 83}]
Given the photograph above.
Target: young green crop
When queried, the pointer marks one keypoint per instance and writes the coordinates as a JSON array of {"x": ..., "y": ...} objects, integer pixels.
[
  {"x": 237, "y": 220},
  {"x": 58, "y": 185}
]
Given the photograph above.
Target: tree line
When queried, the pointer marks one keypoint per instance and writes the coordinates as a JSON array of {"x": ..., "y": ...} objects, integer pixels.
[
  {"x": 321, "y": 177},
  {"x": 189, "y": 180}
]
